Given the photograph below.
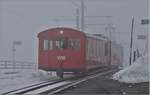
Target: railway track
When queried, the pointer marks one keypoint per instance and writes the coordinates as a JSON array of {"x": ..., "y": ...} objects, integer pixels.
[
  {"x": 74, "y": 83},
  {"x": 33, "y": 87},
  {"x": 56, "y": 86},
  {"x": 28, "y": 88}
]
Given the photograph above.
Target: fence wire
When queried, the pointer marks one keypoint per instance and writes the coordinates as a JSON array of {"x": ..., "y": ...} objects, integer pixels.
[{"x": 7, "y": 64}]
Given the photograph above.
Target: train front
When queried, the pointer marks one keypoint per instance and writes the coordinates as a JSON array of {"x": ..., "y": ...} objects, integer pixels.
[{"x": 61, "y": 50}]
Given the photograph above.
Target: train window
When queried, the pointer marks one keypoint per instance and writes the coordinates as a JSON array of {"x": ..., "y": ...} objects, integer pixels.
[
  {"x": 106, "y": 49},
  {"x": 64, "y": 43},
  {"x": 89, "y": 47},
  {"x": 50, "y": 44},
  {"x": 67, "y": 43},
  {"x": 74, "y": 44},
  {"x": 57, "y": 45},
  {"x": 92, "y": 47},
  {"x": 45, "y": 45},
  {"x": 61, "y": 44}
]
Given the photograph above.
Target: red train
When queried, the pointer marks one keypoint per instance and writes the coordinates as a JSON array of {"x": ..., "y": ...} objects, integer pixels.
[{"x": 69, "y": 50}]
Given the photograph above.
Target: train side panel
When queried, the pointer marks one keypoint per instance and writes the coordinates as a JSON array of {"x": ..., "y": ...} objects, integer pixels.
[{"x": 97, "y": 53}]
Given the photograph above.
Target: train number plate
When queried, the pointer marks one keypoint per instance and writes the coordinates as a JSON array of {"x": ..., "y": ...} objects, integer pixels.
[{"x": 61, "y": 58}]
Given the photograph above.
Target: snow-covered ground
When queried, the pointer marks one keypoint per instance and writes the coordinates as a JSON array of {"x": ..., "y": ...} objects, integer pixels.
[
  {"x": 11, "y": 79},
  {"x": 14, "y": 79},
  {"x": 136, "y": 73}
]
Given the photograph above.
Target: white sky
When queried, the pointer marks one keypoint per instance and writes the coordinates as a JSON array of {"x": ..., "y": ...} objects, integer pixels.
[{"x": 23, "y": 19}]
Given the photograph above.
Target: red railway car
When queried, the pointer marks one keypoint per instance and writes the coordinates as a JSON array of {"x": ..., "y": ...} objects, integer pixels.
[{"x": 69, "y": 50}]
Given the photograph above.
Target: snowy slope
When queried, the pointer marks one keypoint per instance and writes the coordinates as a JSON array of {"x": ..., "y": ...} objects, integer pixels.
[
  {"x": 136, "y": 73},
  {"x": 13, "y": 79}
]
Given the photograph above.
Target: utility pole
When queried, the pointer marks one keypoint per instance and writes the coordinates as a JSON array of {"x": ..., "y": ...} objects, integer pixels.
[
  {"x": 110, "y": 29},
  {"x": 82, "y": 15},
  {"x": 131, "y": 42},
  {"x": 77, "y": 18}
]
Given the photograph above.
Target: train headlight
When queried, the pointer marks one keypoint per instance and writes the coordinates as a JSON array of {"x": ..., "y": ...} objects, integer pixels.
[{"x": 61, "y": 32}]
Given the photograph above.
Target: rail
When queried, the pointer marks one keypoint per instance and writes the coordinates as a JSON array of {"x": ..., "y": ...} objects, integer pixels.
[
  {"x": 59, "y": 85},
  {"x": 8, "y": 64}
]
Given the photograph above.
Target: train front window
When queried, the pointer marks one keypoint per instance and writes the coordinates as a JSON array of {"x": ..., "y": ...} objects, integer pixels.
[
  {"x": 45, "y": 45},
  {"x": 61, "y": 44},
  {"x": 67, "y": 44},
  {"x": 74, "y": 44},
  {"x": 50, "y": 44}
]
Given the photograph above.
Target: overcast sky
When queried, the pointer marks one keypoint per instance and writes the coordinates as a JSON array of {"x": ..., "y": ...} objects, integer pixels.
[{"x": 22, "y": 20}]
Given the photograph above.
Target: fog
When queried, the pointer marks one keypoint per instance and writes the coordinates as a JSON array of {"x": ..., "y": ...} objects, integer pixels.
[{"x": 22, "y": 20}]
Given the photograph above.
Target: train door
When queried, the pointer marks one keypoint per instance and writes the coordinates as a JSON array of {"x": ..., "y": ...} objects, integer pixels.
[{"x": 61, "y": 44}]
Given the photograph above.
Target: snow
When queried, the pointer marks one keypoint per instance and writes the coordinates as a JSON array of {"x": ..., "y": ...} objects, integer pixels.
[
  {"x": 136, "y": 73},
  {"x": 11, "y": 79}
]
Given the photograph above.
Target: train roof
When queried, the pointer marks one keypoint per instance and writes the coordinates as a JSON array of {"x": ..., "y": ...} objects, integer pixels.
[
  {"x": 59, "y": 28},
  {"x": 96, "y": 36}
]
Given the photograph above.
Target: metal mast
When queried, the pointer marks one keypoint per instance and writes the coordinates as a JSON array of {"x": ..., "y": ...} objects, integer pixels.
[
  {"x": 131, "y": 42},
  {"x": 82, "y": 15},
  {"x": 77, "y": 18}
]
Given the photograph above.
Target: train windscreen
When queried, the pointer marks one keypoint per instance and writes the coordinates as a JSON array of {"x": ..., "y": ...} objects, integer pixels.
[{"x": 62, "y": 43}]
